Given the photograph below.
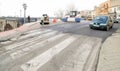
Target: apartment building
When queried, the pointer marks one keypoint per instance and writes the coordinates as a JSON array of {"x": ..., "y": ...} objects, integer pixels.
[
  {"x": 115, "y": 8},
  {"x": 86, "y": 13},
  {"x": 104, "y": 8}
]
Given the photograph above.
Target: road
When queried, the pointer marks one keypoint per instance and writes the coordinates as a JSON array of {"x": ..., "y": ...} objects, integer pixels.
[{"x": 59, "y": 47}]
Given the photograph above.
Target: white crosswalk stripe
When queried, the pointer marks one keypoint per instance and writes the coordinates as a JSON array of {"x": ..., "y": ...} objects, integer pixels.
[
  {"x": 29, "y": 41},
  {"x": 79, "y": 58},
  {"x": 34, "y": 33},
  {"x": 26, "y": 50},
  {"x": 37, "y": 62}
]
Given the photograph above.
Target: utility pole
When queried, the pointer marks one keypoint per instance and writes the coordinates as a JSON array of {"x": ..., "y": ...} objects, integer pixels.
[
  {"x": 25, "y": 7},
  {"x": 20, "y": 13}
]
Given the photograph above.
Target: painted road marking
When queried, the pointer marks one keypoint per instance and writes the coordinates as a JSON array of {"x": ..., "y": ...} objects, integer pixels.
[
  {"x": 25, "y": 51},
  {"x": 79, "y": 59},
  {"x": 29, "y": 41},
  {"x": 37, "y": 62},
  {"x": 34, "y": 33}
]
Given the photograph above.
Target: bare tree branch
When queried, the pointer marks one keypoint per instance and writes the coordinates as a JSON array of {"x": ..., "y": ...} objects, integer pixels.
[
  {"x": 70, "y": 7},
  {"x": 60, "y": 13}
]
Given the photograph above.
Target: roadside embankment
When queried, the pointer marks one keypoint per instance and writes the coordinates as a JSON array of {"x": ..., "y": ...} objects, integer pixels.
[{"x": 18, "y": 31}]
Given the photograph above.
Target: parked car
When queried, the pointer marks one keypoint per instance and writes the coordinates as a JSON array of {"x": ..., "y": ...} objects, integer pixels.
[
  {"x": 44, "y": 19},
  {"x": 116, "y": 21},
  {"x": 102, "y": 22},
  {"x": 89, "y": 18}
]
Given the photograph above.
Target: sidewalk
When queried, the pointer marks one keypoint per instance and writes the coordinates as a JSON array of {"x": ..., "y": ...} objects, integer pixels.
[
  {"x": 109, "y": 59},
  {"x": 18, "y": 31}
]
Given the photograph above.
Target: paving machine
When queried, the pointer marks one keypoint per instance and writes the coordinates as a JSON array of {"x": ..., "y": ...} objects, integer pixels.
[{"x": 73, "y": 16}]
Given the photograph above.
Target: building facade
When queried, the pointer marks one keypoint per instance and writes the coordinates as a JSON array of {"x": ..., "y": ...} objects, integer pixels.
[
  {"x": 86, "y": 14},
  {"x": 103, "y": 9},
  {"x": 93, "y": 12},
  {"x": 115, "y": 8}
]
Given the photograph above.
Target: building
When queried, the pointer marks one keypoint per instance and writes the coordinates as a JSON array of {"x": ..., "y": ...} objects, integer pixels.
[
  {"x": 86, "y": 14},
  {"x": 104, "y": 8},
  {"x": 109, "y": 7},
  {"x": 93, "y": 12},
  {"x": 115, "y": 8}
]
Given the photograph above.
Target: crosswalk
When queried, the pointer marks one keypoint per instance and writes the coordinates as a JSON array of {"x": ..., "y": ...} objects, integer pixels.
[
  {"x": 34, "y": 46},
  {"x": 38, "y": 61},
  {"x": 36, "y": 49},
  {"x": 30, "y": 40}
]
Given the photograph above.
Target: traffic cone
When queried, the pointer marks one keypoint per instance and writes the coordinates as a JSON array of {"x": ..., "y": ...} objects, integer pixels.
[{"x": 54, "y": 20}]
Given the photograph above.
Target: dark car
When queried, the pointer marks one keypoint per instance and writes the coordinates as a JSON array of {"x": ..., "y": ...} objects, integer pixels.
[
  {"x": 116, "y": 21},
  {"x": 102, "y": 22}
]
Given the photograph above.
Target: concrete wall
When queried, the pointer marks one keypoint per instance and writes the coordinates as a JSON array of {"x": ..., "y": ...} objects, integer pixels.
[{"x": 6, "y": 24}]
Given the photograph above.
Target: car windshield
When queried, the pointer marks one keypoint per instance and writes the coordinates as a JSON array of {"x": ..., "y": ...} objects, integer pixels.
[{"x": 100, "y": 19}]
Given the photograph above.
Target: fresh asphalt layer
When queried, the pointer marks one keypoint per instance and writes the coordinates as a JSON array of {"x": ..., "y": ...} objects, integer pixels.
[
  {"x": 83, "y": 29},
  {"x": 59, "y": 47}
]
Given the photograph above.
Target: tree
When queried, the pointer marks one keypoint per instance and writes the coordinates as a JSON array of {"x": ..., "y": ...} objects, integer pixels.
[
  {"x": 59, "y": 13},
  {"x": 70, "y": 7}
]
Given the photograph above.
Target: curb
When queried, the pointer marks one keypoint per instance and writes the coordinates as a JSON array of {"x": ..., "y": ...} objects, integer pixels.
[
  {"x": 110, "y": 53},
  {"x": 93, "y": 57}
]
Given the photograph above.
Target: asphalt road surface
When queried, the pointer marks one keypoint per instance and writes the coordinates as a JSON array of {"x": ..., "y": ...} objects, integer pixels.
[{"x": 59, "y": 47}]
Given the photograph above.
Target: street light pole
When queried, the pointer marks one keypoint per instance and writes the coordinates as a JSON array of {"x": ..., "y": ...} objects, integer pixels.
[
  {"x": 20, "y": 13},
  {"x": 25, "y": 7}
]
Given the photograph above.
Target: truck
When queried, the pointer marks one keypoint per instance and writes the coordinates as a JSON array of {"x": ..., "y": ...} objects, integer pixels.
[
  {"x": 73, "y": 16},
  {"x": 44, "y": 19}
]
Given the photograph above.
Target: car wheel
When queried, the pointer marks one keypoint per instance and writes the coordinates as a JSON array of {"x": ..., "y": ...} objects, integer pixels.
[
  {"x": 111, "y": 27},
  {"x": 40, "y": 23},
  {"x": 91, "y": 28}
]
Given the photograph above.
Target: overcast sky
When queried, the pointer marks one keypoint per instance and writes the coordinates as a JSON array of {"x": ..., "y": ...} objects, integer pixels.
[{"x": 38, "y": 7}]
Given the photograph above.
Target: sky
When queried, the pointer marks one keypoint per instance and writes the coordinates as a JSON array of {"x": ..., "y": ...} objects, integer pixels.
[{"x": 35, "y": 8}]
